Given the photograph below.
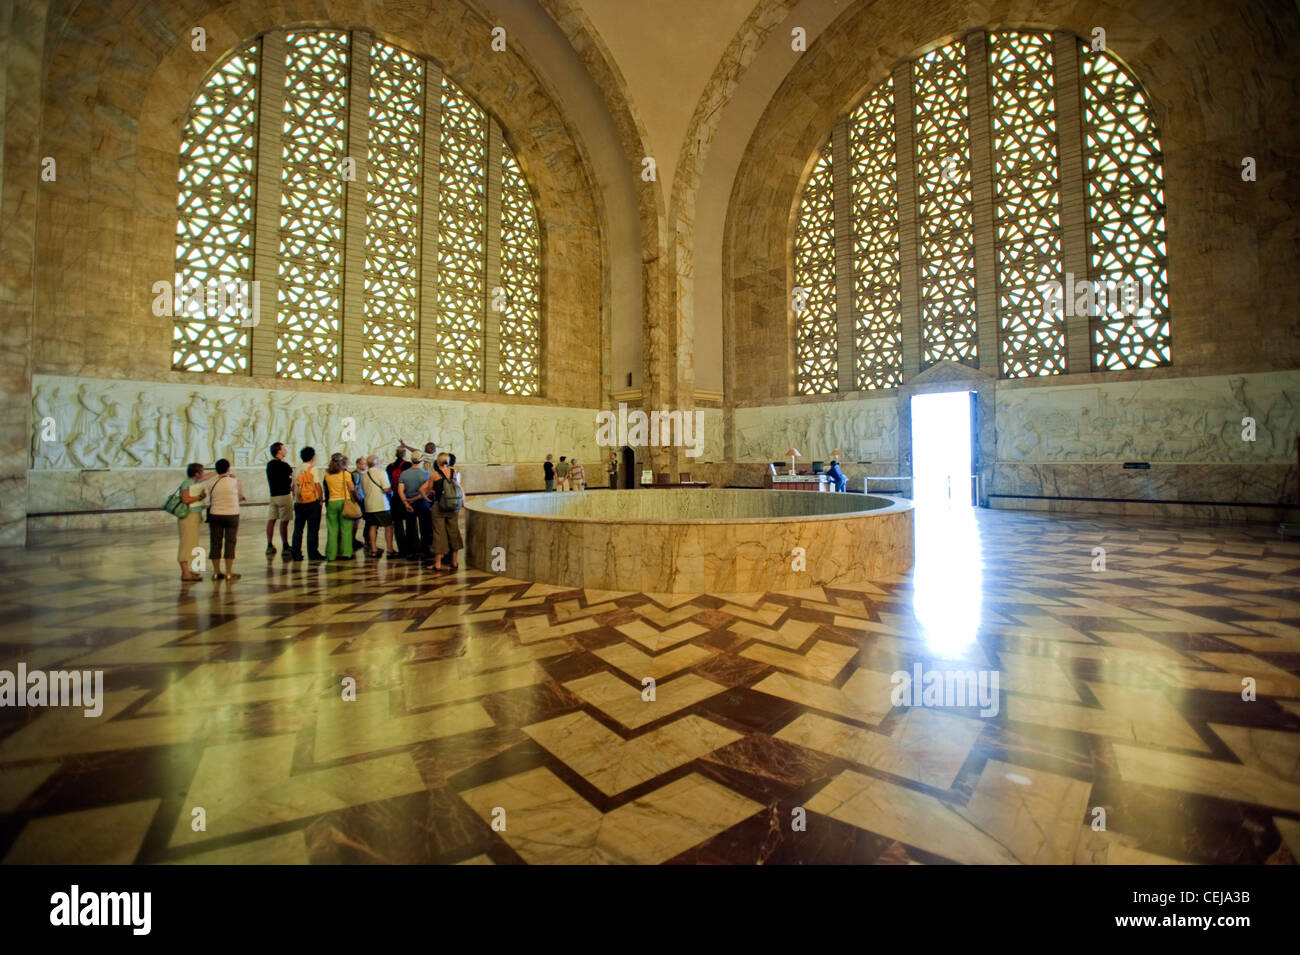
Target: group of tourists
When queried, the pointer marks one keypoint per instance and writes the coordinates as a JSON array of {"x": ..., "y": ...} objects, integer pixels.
[
  {"x": 416, "y": 501},
  {"x": 569, "y": 475}
]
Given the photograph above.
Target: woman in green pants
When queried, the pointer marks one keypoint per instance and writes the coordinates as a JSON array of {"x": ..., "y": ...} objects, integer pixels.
[{"x": 338, "y": 489}]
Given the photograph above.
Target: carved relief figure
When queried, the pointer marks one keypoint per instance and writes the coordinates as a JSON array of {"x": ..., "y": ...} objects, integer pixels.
[{"x": 85, "y": 440}]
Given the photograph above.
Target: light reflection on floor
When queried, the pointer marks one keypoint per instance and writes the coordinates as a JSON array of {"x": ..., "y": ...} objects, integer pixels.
[{"x": 949, "y": 575}]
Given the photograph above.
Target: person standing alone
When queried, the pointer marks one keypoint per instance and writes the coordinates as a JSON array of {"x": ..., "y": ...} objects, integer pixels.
[
  {"x": 611, "y": 468},
  {"x": 279, "y": 482}
]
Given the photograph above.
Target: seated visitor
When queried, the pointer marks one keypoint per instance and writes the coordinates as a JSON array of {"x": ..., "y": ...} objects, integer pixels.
[{"x": 837, "y": 476}]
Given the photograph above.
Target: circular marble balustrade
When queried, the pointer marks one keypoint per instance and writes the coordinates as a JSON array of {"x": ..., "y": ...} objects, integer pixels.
[{"x": 690, "y": 540}]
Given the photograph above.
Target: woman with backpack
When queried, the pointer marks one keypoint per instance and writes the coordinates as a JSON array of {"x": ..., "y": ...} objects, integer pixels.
[
  {"x": 444, "y": 490},
  {"x": 339, "y": 493}
]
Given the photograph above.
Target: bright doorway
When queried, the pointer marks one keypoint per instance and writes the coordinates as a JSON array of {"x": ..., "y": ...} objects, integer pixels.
[
  {"x": 947, "y": 578},
  {"x": 941, "y": 449}
]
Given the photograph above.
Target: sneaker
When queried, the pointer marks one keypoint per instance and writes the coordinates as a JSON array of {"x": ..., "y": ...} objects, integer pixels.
[{"x": 270, "y": 550}]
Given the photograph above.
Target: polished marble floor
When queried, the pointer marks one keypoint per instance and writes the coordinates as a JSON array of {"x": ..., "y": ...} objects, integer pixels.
[{"x": 500, "y": 721}]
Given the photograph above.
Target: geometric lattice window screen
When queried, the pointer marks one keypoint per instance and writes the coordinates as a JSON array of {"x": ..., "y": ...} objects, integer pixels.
[
  {"x": 1126, "y": 213},
  {"x": 391, "y": 299},
  {"x": 309, "y": 310},
  {"x": 521, "y": 280},
  {"x": 1027, "y": 203},
  {"x": 816, "y": 361},
  {"x": 877, "y": 282},
  {"x": 462, "y": 226},
  {"x": 214, "y": 228},
  {"x": 944, "y": 206},
  {"x": 1125, "y": 220}
]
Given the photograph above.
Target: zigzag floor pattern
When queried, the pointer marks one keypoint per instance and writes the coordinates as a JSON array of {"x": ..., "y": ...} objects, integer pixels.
[{"x": 500, "y": 721}]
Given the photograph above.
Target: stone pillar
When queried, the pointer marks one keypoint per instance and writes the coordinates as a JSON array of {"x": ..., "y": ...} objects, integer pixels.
[
  {"x": 352, "y": 321},
  {"x": 842, "y": 201},
  {"x": 492, "y": 315},
  {"x": 983, "y": 225},
  {"x": 22, "y": 43},
  {"x": 908, "y": 241},
  {"x": 1074, "y": 204},
  {"x": 429, "y": 154},
  {"x": 266, "y": 215}
]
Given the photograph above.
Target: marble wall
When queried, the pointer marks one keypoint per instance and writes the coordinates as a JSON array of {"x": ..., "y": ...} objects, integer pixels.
[
  {"x": 1180, "y": 420},
  {"x": 100, "y": 423},
  {"x": 863, "y": 430},
  {"x": 1072, "y": 440},
  {"x": 100, "y": 444},
  {"x": 114, "y": 445}
]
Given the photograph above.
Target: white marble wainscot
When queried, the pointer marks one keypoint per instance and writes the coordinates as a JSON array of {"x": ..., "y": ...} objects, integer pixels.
[{"x": 120, "y": 424}]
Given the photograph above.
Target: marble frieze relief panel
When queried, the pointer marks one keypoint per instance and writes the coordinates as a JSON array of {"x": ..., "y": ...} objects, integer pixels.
[
  {"x": 90, "y": 423},
  {"x": 863, "y": 429},
  {"x": 1171, "y": 420}
]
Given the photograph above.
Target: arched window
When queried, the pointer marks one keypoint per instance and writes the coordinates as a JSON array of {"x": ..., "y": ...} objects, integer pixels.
[
  {"x": 349, "y": 214},
  {"x": 997, "y": 201}
]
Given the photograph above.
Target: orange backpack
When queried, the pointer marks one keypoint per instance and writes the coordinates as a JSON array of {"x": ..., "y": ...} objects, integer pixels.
[{"x": 306, "y": 486}]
